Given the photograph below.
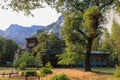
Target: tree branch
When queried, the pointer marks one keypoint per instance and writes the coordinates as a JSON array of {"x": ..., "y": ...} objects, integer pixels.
[
  {"x": 79, "y": 8},
  {"x": 82, "y": 41},
  {"x": 82, "y": 53},
  {"x": 76, "y": 6},
  {"x": 80, "y": 31},
  {"x": 105, "y": 4},
  {"x": 97, "y": 2}
]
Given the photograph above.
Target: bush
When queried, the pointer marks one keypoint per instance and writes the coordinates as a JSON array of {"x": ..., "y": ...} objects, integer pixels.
[
  {"x": 23, "y": 66},
  {"x": 29, "y": 73},
  {"x": 117, "y": 72},
  {"x": 25, "y": 57},
  {"x": 48, "y": 65},
  {"x": 45, "y": 71},
  {"x": 60, "y": 77}
]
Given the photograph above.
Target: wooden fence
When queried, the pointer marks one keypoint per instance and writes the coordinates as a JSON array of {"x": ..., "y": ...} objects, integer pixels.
[{"x": 9, "y": 75}]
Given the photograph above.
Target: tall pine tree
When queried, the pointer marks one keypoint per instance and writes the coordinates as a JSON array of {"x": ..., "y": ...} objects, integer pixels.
[
  {"x": 115, "y": 30},
  {"x": 106, "y": 42}
]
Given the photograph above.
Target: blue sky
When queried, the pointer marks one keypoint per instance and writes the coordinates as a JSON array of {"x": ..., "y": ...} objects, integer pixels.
[{"x": 43, "y": 16}]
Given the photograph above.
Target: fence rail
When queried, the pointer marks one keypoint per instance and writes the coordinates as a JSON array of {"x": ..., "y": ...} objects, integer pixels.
[{"x": 9, "y": 74}]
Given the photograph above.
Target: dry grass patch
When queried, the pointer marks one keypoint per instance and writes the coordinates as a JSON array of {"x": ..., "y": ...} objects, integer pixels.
[
  {"x": 75, "y": 74},
  {"x": 7, "y": 71}
]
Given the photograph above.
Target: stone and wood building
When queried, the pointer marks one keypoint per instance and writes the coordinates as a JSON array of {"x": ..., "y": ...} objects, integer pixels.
[
  {"x": 31, "y": 43},
  {"x": 98, "y": 58}
]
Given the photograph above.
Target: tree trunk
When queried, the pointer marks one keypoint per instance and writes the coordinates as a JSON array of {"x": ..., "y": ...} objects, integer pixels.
[{"x": 88, "y": 55}]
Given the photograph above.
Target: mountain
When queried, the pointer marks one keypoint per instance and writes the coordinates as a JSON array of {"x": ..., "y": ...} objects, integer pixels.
[
  {"x": 53, "y": 27},
  {"x": 1, "y": 32},
  {"x": 19, "y": 33}
]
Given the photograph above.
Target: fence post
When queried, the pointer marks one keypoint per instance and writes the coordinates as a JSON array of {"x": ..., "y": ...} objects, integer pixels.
[
  {"x": 17, "y": 72},
  {"x": 10, "y": 75},
  {"x": 25, "y": 77},
  {"x": 3, "y": 74},
  {"x": 38, "y": 77},
  {"x": 12, "y": 72}
]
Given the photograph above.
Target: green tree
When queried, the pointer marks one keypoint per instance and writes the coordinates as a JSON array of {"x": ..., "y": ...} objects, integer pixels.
[
  {"x": 7, "y": 50},
  {"x": 117, "y": 3},
  {"x": 47, "y": 48},
  {"x": 96, "y": 43},
  {"x": 89, "y": 29},
  {"x": 106, "y": 42},
  {"x": 69, "y": 59},
  {"x": 11, "y": 47},
  {"x": 23, "y": 65},
  {"x": 116, "y": 39},
  {"x": 61, "y": 6},
  {"x": 90, "y": 10},
  {"x": 40, "y": 51},
  {"x": 2, "y": 50},
  {"x": 25, "y": 57},
  {"x": 71, "y": 54}
]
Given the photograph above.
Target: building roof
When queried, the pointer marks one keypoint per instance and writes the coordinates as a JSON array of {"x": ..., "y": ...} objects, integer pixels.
[
  {"x": 99, "y": 52},
  {"x": 31, "y": 38}
]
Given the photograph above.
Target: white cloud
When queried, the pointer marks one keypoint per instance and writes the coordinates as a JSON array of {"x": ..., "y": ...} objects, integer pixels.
[{"x": 43, "y": 16}]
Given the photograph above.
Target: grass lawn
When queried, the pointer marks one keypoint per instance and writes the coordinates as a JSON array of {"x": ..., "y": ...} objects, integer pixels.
[
  {"x": 104, "y": 70},
  {"x": 7, "y": 70}
]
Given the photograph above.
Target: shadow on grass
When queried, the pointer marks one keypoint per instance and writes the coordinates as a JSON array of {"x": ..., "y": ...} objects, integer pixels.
[
  {"x": 103, "y": 73},
  {"x": 101, "y": 70},
  {"x": 104, "y": 70}
]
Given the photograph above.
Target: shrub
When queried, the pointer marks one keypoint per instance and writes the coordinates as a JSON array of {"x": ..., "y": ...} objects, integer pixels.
[
  {"x": 45, "y": 71},
  {"x": 117, "y": 72},
  {"x": 60, "y": 77},
  {"x": 25, "y": 57},
  {"x": 29, "y": 73},
  {"x": 48, "y": 65},
  {"x": 23, "y": 66}
]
